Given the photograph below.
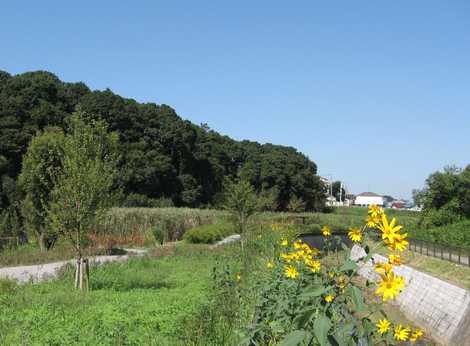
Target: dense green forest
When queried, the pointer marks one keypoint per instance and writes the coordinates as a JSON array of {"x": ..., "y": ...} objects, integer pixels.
[{"x": 164, "y": 160}]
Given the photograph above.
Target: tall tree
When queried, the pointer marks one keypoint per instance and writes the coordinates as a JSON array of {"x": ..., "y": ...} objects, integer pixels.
[
  {"x": 41, "y": 166},
  {"x": 338, "y": 191}
]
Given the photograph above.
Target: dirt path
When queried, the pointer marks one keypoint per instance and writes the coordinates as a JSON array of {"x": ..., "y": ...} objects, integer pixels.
[{"x": 41, "y": 272}]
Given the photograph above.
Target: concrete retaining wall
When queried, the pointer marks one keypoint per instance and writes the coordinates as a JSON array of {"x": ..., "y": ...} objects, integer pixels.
[{"x": 440, "y": 308}]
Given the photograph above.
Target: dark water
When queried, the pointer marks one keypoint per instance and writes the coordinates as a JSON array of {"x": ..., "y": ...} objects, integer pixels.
[{"x": 318, "y": 241}]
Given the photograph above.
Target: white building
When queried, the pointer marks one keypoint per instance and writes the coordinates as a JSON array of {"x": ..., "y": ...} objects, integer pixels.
[{"x": 368, "y": 198}]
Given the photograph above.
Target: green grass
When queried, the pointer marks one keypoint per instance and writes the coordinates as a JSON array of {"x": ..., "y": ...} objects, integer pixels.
[
  {"x": 140, "y": 302},
  {"x": 31, "y": 254}
]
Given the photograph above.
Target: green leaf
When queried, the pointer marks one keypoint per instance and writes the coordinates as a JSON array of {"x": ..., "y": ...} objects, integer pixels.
[
  {"x": 343, "y": 334},
  {"x": 303, "y": 318},
  {"x": 348, "y": 265},
  {"x": 315, "y": 292},
  {"x": 295, "y": 338},
  {"x": 321, "y": 327},
  {"x": 357, "y": 298}
]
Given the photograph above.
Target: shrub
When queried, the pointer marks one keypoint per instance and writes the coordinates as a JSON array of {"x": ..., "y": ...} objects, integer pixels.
[
  {"x": 457, "y": 234},
  {"x": 209, "y": 234},
  {"x": 296, "y": 205},
  {"x": 440, "y": 217},
  {"x": 159, "y": 234}
]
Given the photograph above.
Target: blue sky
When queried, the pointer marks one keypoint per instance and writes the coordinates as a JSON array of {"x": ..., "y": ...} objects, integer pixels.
[{"x": 377, "y": 93}]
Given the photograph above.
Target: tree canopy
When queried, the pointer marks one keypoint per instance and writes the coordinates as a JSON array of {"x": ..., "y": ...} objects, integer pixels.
[
  {"x": 446, "y": 196},
  {"x": 162, "y": 156}
]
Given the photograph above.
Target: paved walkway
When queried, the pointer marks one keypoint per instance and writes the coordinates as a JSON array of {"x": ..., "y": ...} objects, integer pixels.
[{"x": 41, "y": 272}]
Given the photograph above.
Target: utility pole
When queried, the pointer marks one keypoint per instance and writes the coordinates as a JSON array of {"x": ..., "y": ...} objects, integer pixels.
[{"x": 341, "y": 192}]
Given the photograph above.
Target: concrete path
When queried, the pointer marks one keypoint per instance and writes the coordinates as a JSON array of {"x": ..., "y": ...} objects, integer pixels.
[
  {"x": 227, "y": 240},
  {"x": 41, "y": 272}
]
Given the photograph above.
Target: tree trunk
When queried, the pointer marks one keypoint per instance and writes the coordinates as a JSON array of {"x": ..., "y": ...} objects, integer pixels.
[
  {"x": 82, "y": 274},
  {"x": 42, "y": 241}
]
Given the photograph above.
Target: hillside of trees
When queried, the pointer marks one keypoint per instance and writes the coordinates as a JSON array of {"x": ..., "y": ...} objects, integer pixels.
[{"x": 164, "y": 160}]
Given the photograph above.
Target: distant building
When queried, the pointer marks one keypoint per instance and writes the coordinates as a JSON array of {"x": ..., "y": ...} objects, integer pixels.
[
  {"x": 399, "y": 204},
  {"x": 368, "y": 198}
]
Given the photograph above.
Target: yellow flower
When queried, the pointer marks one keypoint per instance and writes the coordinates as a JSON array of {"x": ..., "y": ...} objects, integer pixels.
[
  {"x": 331, "y": 275},
  {"x": 401, "y": 333},
  {"x": 389, "y": 230},
  {"x": 258, "y": 236},
  {"x": 394, "y": 259},
  {"x": 416, "y": 335},
  {"x": 399, "y": 243},
  {"x": 313, "y": 265},
  {"x": 287, "y": 257},
  {"x": 296, "y": 256},
  {"x": 390, "y": 286},
  {"x": 355, "y": 234},
  {"x": 326, "y": 231},
  {"x": 284, "y": 242},
  {"x": 383, "y": 268},
  {"x": 314, "y": 251},
  {"x": 375, "y": 210},
  {"x": 291, "y": 272},
  {"x": 308, "y": 250},
  {"x": 238, "y": 277},
  {"x": 329, "y": 298},
  {"x": 372, "y": 222},
  {"x": 297, "y": 245},
  {"x": 270, "y": 264},
  {"x": 341, "y": 282},
  {"x": 383, "y": 326}
]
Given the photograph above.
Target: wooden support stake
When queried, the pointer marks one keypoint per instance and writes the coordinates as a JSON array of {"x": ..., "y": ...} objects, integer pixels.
[{"x": 77, "y": 273}]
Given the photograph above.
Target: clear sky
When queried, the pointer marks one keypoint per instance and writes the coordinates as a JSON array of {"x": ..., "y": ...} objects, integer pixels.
[{"x": 377, "y": 93}]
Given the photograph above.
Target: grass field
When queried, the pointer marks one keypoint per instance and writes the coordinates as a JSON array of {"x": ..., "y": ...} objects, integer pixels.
[
  {"x": 180, "y": 294},
  {"x": 141, "y": 302}
]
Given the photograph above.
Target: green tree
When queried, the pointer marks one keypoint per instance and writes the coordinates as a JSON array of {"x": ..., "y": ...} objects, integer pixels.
[
  {"x": 83, "y": 190},
  {"x": 445, "y": 197},
  {"x": 162, "y": 155},
  {"x": 241, "y": 201},
  {"x": 338, "y": 190},
  {"x": 11, "y": 229},
  {"x": 41, "y": 166},
  {"x": 463, "y": 192},
  {"x": 267, "y": 199},
  {"x": 296, "y": 205}
]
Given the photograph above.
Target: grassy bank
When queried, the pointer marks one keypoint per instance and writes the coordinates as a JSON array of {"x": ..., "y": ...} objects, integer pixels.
[{"x": 445, "y": 270}]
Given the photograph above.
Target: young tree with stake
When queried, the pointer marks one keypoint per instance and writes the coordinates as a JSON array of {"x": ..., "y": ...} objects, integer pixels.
[{"x": 83, "y": 190}]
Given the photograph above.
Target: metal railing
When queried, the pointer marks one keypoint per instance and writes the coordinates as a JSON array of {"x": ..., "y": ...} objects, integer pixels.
[{"x": 454, "y": 254}]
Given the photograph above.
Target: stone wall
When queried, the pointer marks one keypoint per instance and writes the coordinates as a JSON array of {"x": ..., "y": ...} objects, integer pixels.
[{"x": 440, "y": 308}]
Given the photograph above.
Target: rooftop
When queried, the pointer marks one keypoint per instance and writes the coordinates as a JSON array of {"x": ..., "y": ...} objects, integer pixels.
[{"x": 368, "y": 194}]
